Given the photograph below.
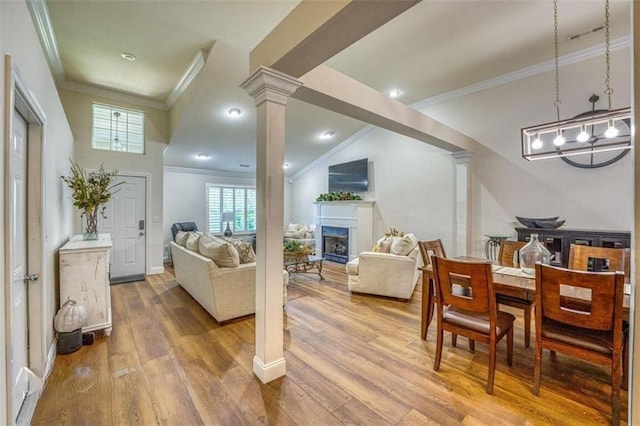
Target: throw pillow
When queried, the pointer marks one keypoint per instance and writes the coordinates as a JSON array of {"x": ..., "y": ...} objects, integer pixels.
[
  {"x": 402, "y": 246},
  {"x": 221, "y": 252},
  {"x": 181, "y": 238},
  {"x": 192, "y": 240},
  {"x": 376, "y": 248},
  {"x": 384, "y": 244},
  {"x": 245, "y": 250}
]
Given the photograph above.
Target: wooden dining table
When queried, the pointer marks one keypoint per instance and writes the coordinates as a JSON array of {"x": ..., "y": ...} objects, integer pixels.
[{"x": 507, "y": 281}]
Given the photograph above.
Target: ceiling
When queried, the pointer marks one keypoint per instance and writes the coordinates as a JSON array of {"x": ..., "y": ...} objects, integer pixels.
[{"x": 432, "y": 48}]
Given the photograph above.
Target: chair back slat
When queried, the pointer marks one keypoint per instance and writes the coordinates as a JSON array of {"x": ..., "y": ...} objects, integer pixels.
[
  {"x": 449, "y": 275},
  {"x": 598, "y": 313},
  {"x": 579, "y": 256},
  {"x": 507, "y": 250},
  {"x": 431, "y": 248}
]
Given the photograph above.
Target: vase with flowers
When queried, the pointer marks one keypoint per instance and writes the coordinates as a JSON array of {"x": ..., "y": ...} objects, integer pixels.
[{"x": 91, "y": 193}]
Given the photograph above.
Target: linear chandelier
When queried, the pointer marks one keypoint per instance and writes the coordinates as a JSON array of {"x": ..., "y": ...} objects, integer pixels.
[{"x": 588, "y": 133}]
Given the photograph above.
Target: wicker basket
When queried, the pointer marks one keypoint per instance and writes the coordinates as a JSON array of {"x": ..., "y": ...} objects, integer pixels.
[{"x": 295, "y": 255}]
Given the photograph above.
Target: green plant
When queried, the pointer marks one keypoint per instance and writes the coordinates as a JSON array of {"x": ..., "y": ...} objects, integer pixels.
[{"x": 338, "y": 196}]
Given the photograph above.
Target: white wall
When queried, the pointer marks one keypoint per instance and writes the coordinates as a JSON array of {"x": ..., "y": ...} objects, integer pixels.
[
  {"x": 78, "y": 107},
  {"x": 184, "y": 190},
  {"x": 411, "y": 182},
  {"x": 18, "y": 39},
  {"x": 506, "y": 185}
]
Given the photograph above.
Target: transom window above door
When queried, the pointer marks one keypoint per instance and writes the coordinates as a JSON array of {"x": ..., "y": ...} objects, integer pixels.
[{"x": 117, "y": 129}]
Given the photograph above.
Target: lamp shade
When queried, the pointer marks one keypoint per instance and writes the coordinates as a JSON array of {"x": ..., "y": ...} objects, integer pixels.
[{"x": 228, "y": 216}]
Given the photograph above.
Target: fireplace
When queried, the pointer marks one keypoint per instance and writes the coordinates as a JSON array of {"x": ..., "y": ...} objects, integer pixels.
[{"x": 335, "y": 244}]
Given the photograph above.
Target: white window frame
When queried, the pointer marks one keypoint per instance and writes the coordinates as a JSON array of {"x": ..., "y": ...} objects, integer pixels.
[
  {"x": 244, "y": 216},
  {"x": 130, "y": 129}
]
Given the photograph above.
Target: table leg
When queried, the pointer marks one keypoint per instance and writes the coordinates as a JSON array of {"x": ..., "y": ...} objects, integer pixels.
[{"x": 320, "y": 270}]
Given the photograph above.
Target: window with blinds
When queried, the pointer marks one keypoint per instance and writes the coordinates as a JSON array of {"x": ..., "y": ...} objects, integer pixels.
[
  {"x": 117, "y": 129},
  {"x": 239, "y": 200}
]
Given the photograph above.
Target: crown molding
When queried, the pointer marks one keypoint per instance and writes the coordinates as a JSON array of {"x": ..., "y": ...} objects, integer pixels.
[
  {"x": 572, "y": 58},
  {"x": 194, "y": 68},
  {"x": 208, "y": 172},
  {"x": 42, "y": 21}
]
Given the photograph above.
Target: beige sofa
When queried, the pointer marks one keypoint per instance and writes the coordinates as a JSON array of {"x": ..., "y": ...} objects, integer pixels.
[
  {"x": 225, "y": 293},
  {"x": 391, "y": 274}
]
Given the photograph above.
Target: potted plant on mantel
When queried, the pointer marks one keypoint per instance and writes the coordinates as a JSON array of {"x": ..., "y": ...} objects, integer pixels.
[
  {"x": 91, "y": 193},
  {"x": 338, "y": 196}
]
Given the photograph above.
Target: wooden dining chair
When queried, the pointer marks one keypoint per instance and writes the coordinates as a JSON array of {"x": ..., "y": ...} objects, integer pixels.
[
  {"x": 508, "y": 249},
  {"x": 591, "y": 331},
  {"x": 475, "y": 314},
  {"x": 428, "y": 249},
  {"x": 583, "y": 257}
]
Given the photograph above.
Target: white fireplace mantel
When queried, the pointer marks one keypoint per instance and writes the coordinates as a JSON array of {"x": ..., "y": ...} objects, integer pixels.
[{"x": 353, "y": 214}]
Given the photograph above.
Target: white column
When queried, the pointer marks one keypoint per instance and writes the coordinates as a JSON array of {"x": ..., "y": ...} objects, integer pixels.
[
  {"x": 463, "y": 202},
  {"x": 270, "y": 90}
]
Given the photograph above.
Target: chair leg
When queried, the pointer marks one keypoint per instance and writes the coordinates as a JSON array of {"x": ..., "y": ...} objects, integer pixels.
[
  {"x": 537, "y": 365},
  {"x": 527, "y": 326},
  {"x": 439, "y": 338},
  {"x": 472, "y": 345},
  {"x": 454, "y": 339},
  {"x": 625, "y": 362},
  {"x": 510, "y": 347},
  {"x": 616, "y": 379},
  {"x": 492, "y": 367}
]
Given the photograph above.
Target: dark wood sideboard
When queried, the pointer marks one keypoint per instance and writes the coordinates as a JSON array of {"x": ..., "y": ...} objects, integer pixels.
[{"x": 558, "y": 241}]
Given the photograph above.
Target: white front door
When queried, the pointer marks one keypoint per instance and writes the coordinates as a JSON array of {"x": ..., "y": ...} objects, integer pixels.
[
  {"x": 19, "y": 358},
  {"x": 125, "y": 221}
]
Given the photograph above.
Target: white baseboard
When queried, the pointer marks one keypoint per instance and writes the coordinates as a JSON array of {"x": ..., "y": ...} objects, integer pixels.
[
  {"x": 156, "y": 270},
  {"x": 51, "y": 360},
  {"x": 271, "y": 371}
]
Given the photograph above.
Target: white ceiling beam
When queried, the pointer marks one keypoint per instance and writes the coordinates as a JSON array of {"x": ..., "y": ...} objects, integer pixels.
[
  {"x": 317, "y": 30},
  {"x": 330, "y": 89}
]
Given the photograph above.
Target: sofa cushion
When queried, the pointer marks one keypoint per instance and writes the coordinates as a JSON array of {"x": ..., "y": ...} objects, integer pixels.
[
  {"x": 221, "y": 252},
  {"x": 245, "y": 250},
  {"x": 384, "y": 244},
  {"x": 402, "y": 246},
  {"x": 192, "y": 240},
  {"x": 181, "y": 238}
]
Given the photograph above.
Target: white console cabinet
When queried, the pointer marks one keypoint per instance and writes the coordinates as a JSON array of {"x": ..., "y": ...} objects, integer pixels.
[{"x": 84, "y": 277}]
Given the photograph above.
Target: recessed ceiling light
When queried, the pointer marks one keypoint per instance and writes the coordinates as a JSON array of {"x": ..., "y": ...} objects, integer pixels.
[
  {"x": 394, "y": 93},
  {"x": 202, "y": 156},
  {"x": 128, "y": 56},
  {"x": 285, "y": 166},
  {"x": 234, "y": 112},
  {"x": 328, "y": 134}
]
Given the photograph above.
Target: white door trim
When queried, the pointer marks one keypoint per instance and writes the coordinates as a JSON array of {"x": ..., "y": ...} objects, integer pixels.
[{"x": 18, "y": 96}]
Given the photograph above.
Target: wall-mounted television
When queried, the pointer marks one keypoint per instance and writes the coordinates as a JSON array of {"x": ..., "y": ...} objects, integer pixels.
[{"x": 349, "y": 177}]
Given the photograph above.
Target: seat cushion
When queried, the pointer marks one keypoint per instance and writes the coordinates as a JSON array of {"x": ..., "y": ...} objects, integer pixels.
[
  {"x": 352, "y": 266},
  {"x": 597, "y": 341},
  {"x": 514, "y": 301},
  {"x": 475, "y": 321}
]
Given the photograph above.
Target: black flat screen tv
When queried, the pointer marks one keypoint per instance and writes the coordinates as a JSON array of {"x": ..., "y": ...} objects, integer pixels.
[{"x": 349, "y": 177}]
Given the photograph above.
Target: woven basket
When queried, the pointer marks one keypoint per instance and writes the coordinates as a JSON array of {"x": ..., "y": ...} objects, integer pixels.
[{"x": 295, "y": 255}]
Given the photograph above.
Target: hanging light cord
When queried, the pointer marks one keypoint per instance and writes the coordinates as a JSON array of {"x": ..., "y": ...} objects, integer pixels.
[
  {"x": 607, "y": 81},
  {"x": 555, "y": 38}
]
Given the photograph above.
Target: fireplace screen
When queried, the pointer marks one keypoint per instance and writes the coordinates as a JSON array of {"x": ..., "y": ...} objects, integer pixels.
[{"x": 335, "y": 244}]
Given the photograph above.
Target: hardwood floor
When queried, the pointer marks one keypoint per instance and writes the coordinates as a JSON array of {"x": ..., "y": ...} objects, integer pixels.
[{"x": 351, "y": 359}]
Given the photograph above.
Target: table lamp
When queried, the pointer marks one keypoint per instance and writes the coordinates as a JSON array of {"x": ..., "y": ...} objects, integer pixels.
[{"x": 228, "y": 216}]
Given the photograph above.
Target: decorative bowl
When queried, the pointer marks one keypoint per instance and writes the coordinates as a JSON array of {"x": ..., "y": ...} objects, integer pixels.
[
  {"x": 549, "y": 224},
  {"x": 530, "y": 222}
]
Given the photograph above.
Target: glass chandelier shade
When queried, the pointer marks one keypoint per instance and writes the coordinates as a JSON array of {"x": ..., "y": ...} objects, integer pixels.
[{"x": 600, "y": 132}]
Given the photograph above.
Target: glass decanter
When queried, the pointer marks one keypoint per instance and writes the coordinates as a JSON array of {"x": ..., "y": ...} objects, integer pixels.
[{"x": 534, "y": 251}]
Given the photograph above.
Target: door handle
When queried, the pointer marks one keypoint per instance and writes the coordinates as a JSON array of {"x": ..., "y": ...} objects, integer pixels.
[
  {"x": 141, "y": 233},
  {"x": 31, "y": 277}
]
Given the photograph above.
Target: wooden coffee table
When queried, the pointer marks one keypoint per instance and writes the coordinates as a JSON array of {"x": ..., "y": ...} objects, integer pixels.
[{"x": 304, "y": 265}]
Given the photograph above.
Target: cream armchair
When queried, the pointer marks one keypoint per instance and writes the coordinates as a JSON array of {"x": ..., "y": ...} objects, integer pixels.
[{"x": 385, "y": 274}]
